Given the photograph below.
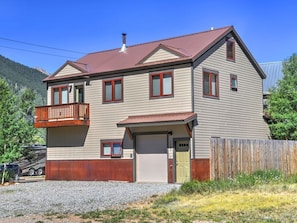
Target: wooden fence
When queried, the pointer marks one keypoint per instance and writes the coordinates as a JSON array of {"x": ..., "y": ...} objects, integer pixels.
[{"x": 232, "y": 156}]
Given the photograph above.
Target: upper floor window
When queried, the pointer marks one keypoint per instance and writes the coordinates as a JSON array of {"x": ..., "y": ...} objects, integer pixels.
[
  {"x": 233, "y": 82},
  {"x": 230, "y": 45},
  {"x": 161, "y": 84},
  {"x": 111, "y": 148},
  {"x": 60, "y": 95},
  {"x": 210, "y": 83},
  {"x": 113, "y": 90}
]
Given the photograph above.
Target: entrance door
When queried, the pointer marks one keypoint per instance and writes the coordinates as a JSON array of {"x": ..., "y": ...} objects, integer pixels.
[
  {"x": 151, "y": 158},
  {"x": 182, "y": 161},
  {"x": 79, "y": 94}
]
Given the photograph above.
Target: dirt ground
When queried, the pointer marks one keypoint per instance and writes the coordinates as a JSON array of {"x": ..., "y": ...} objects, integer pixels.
[{"x": 46, "y": 219}]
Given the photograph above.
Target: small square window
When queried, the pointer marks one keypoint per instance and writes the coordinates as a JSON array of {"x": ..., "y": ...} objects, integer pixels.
[
  {"x": 111, "y": 148},
  {"x": 230, "y": 45},
  {"x": 233, "y": 82}
]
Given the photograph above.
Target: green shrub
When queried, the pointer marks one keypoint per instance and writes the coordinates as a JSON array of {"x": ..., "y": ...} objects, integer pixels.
[
  {"x": 191, "y": 187},
  {"x": 292, "y": 179}
]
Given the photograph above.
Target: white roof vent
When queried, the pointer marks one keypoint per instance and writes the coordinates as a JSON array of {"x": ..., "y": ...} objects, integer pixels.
[{"x": 124, "y": 47}]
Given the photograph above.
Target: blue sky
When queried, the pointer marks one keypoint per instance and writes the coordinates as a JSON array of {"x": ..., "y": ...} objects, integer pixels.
[{"x": 267, "y": 27}]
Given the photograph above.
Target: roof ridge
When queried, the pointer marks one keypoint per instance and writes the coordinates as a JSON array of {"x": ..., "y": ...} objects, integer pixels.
[
  {"x": 176, "y": 37},
  {"x": 160, "y": 40}
]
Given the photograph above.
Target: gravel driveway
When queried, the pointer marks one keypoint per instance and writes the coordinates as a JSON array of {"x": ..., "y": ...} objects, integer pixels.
[{"x": 72, "y": 196}]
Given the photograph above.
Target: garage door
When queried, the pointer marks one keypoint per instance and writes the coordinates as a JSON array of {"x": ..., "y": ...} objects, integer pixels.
[{"x": 151, "y": 158}]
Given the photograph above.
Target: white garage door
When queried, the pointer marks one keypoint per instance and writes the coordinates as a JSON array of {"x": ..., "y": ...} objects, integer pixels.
[{"x": 151, "y": 158}]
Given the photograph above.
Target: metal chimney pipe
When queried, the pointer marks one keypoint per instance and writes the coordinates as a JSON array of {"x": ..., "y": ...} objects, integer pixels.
[
  {"x": 124, "y": 48},
  {"x": 124, "y": 38}
]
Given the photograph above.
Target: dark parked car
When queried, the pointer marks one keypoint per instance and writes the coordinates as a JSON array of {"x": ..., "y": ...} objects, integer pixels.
[{"x": 14, "y": 170}]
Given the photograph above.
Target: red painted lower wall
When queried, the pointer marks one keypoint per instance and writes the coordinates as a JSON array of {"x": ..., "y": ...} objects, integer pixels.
[
  {"x": 170, "y": 171},
  {"x": 90, "y": 170},
  {"x": 113, "y": 169},
  {"x": 200, "y": 169}
]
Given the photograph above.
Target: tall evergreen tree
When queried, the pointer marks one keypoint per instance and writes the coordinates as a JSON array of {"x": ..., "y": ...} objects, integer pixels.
[
  {"x": 282, "y": 103},
  {"x": 15, "y": 128}
]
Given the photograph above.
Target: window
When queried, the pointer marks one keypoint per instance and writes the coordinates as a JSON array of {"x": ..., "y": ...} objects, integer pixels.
[
  {"x": 113, "y": 90},
  {"x": 233, "y": 82},
  {"x": 210, "y": 84},
  {"x": 230, "y": 50},
  {"x": 111, "y": 148},
  {"x": 161, "y": 84},
  {"x": 60, "y": 95}
]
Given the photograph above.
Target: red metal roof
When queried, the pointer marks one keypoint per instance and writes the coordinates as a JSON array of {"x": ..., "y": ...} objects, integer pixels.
[
  {"x": 188, "y": 47},
  {"x": 112, "y": 60},
  {"x": 168, "y": 118}
]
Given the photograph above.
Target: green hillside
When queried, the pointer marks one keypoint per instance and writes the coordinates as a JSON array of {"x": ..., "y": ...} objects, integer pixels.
[{"x": 20, "y": 77}]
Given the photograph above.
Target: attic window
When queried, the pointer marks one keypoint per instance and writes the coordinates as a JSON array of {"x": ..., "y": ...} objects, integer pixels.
[{"x": 230, "y": 49}]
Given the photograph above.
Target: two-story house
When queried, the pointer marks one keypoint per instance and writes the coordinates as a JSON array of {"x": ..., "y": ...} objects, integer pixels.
[{"x": 145, "y": 113}]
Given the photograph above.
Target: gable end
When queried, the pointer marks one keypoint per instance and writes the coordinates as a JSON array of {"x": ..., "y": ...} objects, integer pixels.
[{"x": 163, "y": 52}]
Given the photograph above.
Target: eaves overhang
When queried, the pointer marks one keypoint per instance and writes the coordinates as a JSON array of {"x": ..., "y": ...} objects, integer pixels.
[{"x": 155, "y": 65}]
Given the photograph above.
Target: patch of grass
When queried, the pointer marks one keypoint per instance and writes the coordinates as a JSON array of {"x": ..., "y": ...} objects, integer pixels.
[
  {"x": 111, "y": 216},
  {"x": 267, "y": 197},
  {"x": 241, "y": 181},
  {"x": 166, "y": 199},
  {"x": 51, "y": 213},
  {"x": 234, "y": 206},
  {"x": 61, "y": 216}
]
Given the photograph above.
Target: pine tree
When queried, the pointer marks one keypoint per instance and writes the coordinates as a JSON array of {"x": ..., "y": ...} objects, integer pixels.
[
  {"x": 16, "y": 129},
  {"x": 282, "y": 103}
]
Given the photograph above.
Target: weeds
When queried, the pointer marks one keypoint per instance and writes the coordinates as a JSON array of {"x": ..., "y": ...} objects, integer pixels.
[
  {"x": 241, "y": 181},
  {"x": 166, "y": 199}
]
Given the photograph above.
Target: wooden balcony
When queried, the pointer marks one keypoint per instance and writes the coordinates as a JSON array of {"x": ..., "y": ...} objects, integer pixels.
[{"x": 75, "y": 114}]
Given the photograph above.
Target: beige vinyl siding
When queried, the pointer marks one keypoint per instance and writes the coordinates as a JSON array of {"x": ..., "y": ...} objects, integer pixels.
[
  {"x": 136, "y": 101},
  {"x": 68, "y": 69},
  {"x": 159, "y": 55},
  {"x": 80, "y": 153},
  {"x": 234, "y": 114}
]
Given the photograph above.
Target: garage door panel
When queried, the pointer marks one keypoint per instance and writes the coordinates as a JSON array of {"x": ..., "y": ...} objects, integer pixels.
[
  {"x": 151, "y": 158},
  {"x": 148, "y": 144}
]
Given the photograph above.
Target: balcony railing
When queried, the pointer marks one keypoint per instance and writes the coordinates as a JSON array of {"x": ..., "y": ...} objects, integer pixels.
[{"x": 62, "y": 115}]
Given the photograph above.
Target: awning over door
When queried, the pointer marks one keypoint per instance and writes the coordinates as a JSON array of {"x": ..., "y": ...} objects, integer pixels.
[{"x": 158, "y": 119}]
